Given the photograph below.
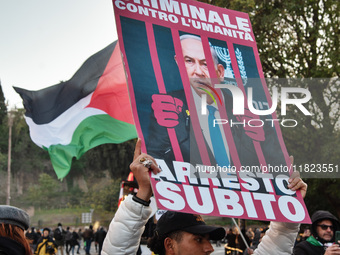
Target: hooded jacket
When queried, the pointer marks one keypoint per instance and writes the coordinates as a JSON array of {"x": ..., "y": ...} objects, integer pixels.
[
  {"x": 314, "y": 245},
  {"x": 323, "y": 215}
]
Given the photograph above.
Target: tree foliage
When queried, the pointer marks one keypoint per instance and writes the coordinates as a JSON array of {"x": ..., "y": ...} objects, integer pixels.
[
  {"x": 103, "y": 197},
  {"x": 113, "y": 157},
  {"x": 3, "y": 107},
  {"x": 45, "y": 192},
  {"x": 26, "y": 156},
  {"x": 3, "y": 122},
  {"x": 300, "y": 39}
]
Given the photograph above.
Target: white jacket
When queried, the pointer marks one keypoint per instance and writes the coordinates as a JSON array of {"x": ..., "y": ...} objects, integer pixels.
[
  {"x": 279, "y": 239},
  {"x": 127, "y": 227}
]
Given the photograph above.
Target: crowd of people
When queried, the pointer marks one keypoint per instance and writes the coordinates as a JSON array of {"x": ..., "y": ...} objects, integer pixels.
[
  {"x": 319, "y": 238},
  {"x": 68, "y": 241},
  {"x": 180, "y": 233},
  {"x": 17, "y": 238},
  {"x": 237, "y": 243},
  {"x": 175, "y": 232}
]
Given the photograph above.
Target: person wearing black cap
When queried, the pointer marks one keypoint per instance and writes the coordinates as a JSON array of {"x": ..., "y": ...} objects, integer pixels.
[
  {"x": 324, "y": 225},
  {"x": 13, "y": 222},
  {"x": 46, "y": 245},
  {"x": 179, "y": 233},
  {"x": 188, "y": 233}
]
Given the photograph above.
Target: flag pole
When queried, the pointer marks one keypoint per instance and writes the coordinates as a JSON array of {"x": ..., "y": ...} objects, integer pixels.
[{"x": 239, "y": 230}]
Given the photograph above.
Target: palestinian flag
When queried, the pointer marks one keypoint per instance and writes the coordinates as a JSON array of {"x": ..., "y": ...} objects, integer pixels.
[{"x": 90, "y": 109}]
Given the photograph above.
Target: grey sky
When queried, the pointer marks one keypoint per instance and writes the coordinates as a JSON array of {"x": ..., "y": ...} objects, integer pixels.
[{"x": 44, "y": 42}]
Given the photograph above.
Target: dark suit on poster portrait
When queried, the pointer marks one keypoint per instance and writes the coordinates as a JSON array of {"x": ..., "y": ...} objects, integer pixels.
[{"x": 159, "y": 145}]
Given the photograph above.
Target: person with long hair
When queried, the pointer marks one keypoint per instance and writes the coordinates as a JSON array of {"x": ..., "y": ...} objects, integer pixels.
[{"x": 13, "y": 222}]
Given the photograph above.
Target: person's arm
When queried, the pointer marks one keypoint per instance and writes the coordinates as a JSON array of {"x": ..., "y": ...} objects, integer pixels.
[
  {"x": 127, "y": 226},
  {"x": 280, "y": 237}
]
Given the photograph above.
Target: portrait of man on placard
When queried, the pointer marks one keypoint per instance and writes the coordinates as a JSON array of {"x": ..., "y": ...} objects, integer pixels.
[{"x": 171, "y": 111}]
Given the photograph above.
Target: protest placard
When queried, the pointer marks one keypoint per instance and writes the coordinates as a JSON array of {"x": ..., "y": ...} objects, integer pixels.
[{"x": 202, "y": 108}]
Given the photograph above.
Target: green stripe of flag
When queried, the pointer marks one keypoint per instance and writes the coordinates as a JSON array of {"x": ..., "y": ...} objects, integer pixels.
[{"x": 91, "y": 132}]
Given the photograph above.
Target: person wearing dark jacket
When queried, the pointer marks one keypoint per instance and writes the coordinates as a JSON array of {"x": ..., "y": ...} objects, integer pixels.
[
  {"x": 13, "y": 222},
  {"x": 73, "y": 242},
  {"x": 68, "y": 237},
  {"x": 324, "y": 225},
  {"x": 33, "y": 238},
  {"x": 59, "y": 237},
  {"x": 88, "y": 238},
  {"x": 99, "y": 238}
]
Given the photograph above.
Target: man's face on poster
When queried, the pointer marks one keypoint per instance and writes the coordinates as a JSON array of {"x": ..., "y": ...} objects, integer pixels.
[{"x": 196, "y": 65}]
